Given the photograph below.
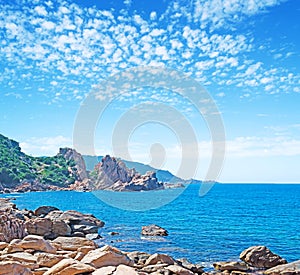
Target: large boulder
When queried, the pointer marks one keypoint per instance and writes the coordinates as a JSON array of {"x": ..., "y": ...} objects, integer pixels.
[
  {"x": 159, "y": 259},
  {"x": 106, "y": 256},
  {"x": 31, "y": 242},
  {"x": 44, "y": 210},
  {"x": 13, "y": 268},
  {"x": 11, "y": 227},
  {"x": 154, "y": 230},
  {"x": 69, "y": 267},
  {"x": 72, "y": 243},
  {"x": 261, "y": 257},
  {"x": 292, "y": 268}
]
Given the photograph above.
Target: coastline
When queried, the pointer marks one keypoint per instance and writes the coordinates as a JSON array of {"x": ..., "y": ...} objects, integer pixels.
[{"x": 76, "y": 252}]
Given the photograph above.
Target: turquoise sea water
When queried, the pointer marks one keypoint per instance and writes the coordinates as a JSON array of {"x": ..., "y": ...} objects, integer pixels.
[{"x": 205, "y": 229}]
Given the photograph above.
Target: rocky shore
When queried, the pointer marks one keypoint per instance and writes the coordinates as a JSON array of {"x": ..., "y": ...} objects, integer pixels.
[{"x": 53, "y": 242}]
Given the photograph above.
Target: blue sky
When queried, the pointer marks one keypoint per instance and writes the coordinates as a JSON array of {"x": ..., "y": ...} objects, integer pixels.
[{"x": 245, "y": 53}]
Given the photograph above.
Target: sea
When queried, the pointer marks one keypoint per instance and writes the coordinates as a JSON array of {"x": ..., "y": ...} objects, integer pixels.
[{"x": 216, "y": 226}]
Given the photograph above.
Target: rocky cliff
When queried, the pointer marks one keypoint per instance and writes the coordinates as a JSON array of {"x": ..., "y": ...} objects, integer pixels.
[
  {"x": 20, "y": 172},
  {"x": 112, "y": 174}
]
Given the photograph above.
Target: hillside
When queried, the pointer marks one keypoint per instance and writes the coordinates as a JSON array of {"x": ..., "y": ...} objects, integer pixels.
[{"x": 18, "y": 168}]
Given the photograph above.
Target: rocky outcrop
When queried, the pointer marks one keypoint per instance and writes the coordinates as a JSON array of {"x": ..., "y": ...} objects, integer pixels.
[
  {"x": 292, "y": 268},
  {"x": 112, "y": 174},
  {"x": 72, "y": 155},
  {"x": 154, "y": 230},
  {"x": 261, "y": 257},
  {"x": 52, "y": 223}
]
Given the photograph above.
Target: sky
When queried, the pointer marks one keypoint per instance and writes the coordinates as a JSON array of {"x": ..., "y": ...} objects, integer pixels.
[{"x": 244, "y": 53}]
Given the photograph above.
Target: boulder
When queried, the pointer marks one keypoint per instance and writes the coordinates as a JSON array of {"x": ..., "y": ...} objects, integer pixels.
[
  {"x": 39, "y": 226},
  {"x": 72, "y": 243},
  {"x": 261, "y": 257},
  {"x": 69, "y": 267},
  {"x": 230, "y": 266},
  {"x": 176, "y": 269},
  {"x": 36, "y": 243},
  {"x": 44, "y": 210},
  {"x": 196, "y": 268},
  {"x": 13, "y": 268},
  {"x": 106, "y": 270},
  {"x": 292, "y": 268},
  {"x": 138, "y": 257},
  {"x": 100, "y": 258},
  {"x": 24, "y": 258},
  {"x": 47, "y": 259},
  {"x": 93, "y": 236},
  {"x": 154, "y": 230},
  {"x": 11, "y": 227},
  {"x": 125, "y": 270},
  {"x": 159, "y": 259}
]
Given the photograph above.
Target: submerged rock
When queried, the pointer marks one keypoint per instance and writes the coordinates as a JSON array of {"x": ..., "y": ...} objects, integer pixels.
[{"x": 154, "y": 230}]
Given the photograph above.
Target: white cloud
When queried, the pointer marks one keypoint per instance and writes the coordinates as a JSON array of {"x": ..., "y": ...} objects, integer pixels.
[
  {"x": 40, "y": 10},
  {"x": 45, "y": 146}
]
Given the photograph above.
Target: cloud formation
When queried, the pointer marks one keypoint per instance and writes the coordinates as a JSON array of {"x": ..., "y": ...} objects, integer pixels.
[{"x": 62, "y": 49}]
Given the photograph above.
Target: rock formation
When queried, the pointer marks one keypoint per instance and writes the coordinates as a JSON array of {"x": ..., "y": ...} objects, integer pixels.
[
  {"x": 112, "y": 174},
  {"x": 261, "y": 256},
  {"x": 72, "y": 155},
  {"x": 69, "y": 255},
  {"x": 154, "y": 230}
]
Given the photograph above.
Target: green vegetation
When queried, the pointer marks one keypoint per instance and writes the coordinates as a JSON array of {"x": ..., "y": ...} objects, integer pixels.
[{"x": 16, "y": 167}]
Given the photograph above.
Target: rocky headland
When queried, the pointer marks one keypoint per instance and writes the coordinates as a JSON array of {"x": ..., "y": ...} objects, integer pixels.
[
  {"x": 53, "y": 242},
  {"x": 67, "y": 171}
]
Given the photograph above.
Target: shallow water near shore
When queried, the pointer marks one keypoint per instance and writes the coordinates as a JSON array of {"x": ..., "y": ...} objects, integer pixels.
[{"x": 205, "y": 229}]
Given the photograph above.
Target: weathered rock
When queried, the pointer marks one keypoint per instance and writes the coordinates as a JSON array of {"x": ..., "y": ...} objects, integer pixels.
[
  {"x": 69, "y": 267},
  {"x": 73, "y": 218},
  {"x": 47, "y": 259},
  {"x": 112, "y": 174},
  {"x": 3, "y": 245},
  {"x": 93, "y": 236},
  {"x": 44, "y": 210},
  {"x": 196, "y": 268},
  {"x": 72, "y": 243},
  {"x": 176, "y": 269},
  {"x": 24, "y": 258},
  {"x": 159, "y": 258},
  {"x": 153, "y": 268},
  {"x": 36, "y": 243},
  {"x": 40, "y": 270},
  {"x": 292, "y": 268},
  {"x": 230, "y": 266},
  {"x": 110, "y": 257},
  {"x": 154, "y": 230},
  {"x": 72, "y": 155},
  {"x": 13, "y": 268},
  {"x": 106, "y": 270},
  {"x": 125, "y": 270},
  {"x": 138, "y": 257},
  {"x": 261, "y": 257},
  {"x": 11, "y": 227},
  {"x": 39, "y": 226}
]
